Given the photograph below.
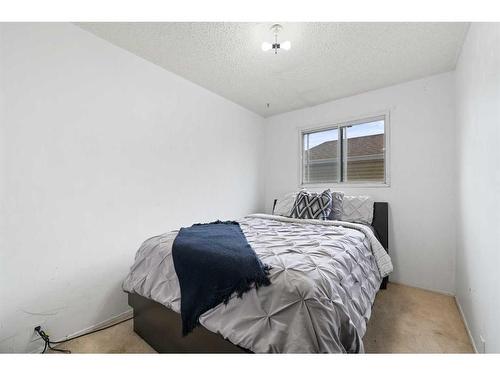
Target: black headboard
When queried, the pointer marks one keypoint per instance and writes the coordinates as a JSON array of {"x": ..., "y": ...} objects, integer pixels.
[
  {"x": 381, "y": 226},
  {"x": 381, "y": 223}
]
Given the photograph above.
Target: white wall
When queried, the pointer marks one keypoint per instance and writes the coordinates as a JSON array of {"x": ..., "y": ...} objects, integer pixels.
[
  {"x": 421, "y": 195},
  {"x": 102, "y": 150},
  {"x": 478, "y": 154}
]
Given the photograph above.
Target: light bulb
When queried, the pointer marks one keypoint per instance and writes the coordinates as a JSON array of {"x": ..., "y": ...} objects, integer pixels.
[
  {"x": 266, "y": 46},
  {"x": 286, "y": 45}
]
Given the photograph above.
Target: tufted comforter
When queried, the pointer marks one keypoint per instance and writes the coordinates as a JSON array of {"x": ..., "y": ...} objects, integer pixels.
[{"x": 324, "y": 278}]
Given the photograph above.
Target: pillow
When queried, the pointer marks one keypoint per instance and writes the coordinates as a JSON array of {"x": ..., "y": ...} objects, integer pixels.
[
  {"x": 312, "y": 205},
  {"x": 337, "y": 208},
  {"x": 357, "y": 209},
  {"x": 284, "y": 205}
]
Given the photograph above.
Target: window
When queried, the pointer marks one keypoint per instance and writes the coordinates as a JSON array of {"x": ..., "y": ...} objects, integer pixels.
[{"x": 351, "y": 152}]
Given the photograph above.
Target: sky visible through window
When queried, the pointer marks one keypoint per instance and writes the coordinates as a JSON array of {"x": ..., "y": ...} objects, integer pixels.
[{"x": 355, "y": 131}]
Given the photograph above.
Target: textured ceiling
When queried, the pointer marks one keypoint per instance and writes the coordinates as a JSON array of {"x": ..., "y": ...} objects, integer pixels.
[{"x": 327, "y": 60}]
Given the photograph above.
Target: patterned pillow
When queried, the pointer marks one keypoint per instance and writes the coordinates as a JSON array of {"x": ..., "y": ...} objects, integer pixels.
[{"x": 312, "y": 205}]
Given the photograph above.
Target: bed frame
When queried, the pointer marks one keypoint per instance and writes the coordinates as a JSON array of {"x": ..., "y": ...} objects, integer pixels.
[{"x": 160, "y": 327}]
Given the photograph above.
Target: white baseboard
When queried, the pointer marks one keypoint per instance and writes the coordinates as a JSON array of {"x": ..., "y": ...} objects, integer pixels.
[
  {"x": 426, "y": 289},
  {"x": 114, "y": 319},
  {"x": 466, "y": 325}
]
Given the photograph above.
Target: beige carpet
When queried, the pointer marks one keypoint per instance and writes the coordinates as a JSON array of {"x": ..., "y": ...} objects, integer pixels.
[{"x": 404, "y": 320}]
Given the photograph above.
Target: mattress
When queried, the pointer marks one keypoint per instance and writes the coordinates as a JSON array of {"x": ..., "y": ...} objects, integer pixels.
[{"x": 324, "y": 278}]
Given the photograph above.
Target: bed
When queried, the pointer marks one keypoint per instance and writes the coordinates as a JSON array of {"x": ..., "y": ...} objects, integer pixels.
[{"x": 324, "y": 280}]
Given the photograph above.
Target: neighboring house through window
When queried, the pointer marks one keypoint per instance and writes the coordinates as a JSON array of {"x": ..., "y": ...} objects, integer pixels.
[{"x": 349, "y": 152}]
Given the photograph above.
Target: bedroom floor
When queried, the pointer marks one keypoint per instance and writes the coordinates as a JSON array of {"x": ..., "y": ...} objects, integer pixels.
[
  {"x": 412, "y": 320},
  {"x": 404, "y": 320}
]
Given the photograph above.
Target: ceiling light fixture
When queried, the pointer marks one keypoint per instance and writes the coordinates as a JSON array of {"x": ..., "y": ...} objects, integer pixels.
[{"x": 276, "y": 28}]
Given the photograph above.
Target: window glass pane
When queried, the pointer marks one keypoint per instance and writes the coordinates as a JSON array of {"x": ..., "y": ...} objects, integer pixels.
[
  {"x": 320, "y": 159},
  {"x": 364, "y": 152}
]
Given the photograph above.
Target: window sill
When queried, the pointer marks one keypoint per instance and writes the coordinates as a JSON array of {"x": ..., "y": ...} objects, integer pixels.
[{"x": 340, "y": 186}]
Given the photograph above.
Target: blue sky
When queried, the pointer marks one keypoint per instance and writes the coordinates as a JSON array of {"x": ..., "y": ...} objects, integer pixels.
[{"x": 370, "y": 128}]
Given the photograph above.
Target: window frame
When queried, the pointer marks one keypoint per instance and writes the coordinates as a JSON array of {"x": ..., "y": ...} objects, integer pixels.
[{"x": 339, "y": 124}]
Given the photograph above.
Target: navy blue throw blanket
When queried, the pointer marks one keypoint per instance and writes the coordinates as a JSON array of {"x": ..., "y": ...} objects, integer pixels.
[{"x": 213, "y": 261}]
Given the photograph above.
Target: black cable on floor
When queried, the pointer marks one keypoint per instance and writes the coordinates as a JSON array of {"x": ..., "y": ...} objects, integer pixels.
[
  {"x": 48, "y": 342},
  {"x": 59, "y": 350}
]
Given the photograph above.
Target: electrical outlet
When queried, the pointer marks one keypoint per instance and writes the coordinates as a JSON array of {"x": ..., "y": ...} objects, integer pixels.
[
  {"x": 35, "y": 336},
  {"x": 483, "y": 344}
]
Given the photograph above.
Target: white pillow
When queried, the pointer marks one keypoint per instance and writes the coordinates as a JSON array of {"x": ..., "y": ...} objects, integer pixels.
[
  {"x": 357, "y": 209},
  {"x": 284, "y": 205}
]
